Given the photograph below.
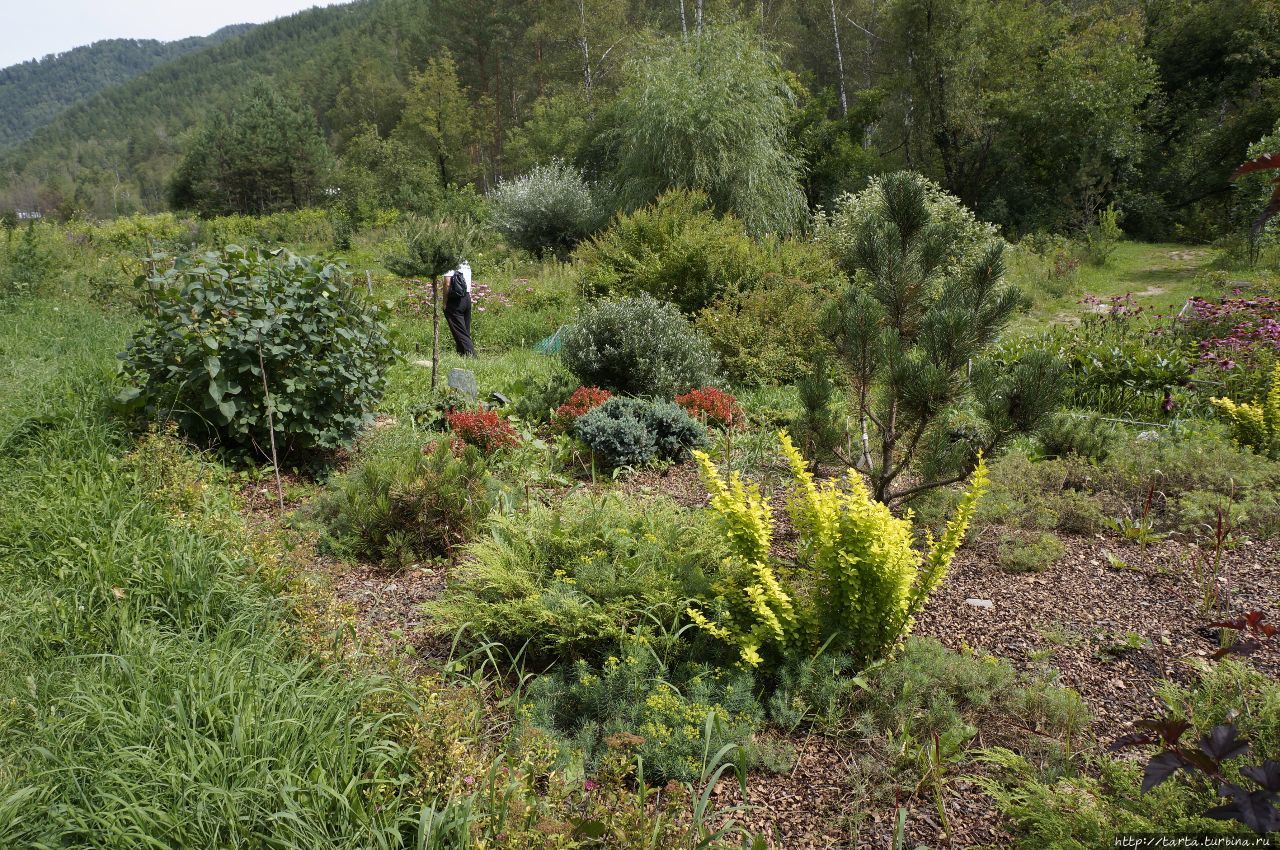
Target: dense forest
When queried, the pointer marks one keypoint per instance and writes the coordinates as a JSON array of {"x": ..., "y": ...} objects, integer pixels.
[
  {"x": 33, "y": 93},
  {"x": 1037, "y": 115}
]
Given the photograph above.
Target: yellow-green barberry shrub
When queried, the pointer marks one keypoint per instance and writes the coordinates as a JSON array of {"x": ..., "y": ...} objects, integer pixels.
[
  {"x": 1256, "y": 425},
  {"x": 750, "y": 607},
  {"x": 862, "y": 580}
]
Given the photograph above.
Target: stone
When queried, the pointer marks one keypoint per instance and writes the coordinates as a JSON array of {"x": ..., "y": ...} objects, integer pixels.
[
  {"x": 464, "y": 381},
  {"x": 980, "y": 603}
]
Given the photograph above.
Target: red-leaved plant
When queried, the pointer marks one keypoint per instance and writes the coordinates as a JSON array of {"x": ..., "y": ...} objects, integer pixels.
[
  {"x": 712, "y": 406},
  {"x": 583, "y": 401},
  {"x": 1255, "y": 804},
  {"x": 484, "y": 429},
  {"x": 1203, "y": 763}
]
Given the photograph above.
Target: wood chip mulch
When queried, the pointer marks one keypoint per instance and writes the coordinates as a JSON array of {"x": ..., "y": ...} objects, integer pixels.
[
  {"x": 1078, "y": 618},
  {"x": 1112, "y": 633}
]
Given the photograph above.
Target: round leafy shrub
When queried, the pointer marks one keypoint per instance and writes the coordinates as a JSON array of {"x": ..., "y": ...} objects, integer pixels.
[
  {"x": 633, "y": 432},
  {"x": 713, "y": 406},
  {"x": 484, "y": 429},
  {"x": 548, "y": 210},
  {"x": 583, "y": 401},
  {"x": 638, "y": 346},
  {"x": 677, "y": 249},
  {"x": 215, "y": 322},
  {"x": 771, "y": 333}
]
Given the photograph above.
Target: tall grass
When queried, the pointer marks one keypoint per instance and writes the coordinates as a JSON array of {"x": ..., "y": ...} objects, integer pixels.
[{"x": 148, "y": 694}]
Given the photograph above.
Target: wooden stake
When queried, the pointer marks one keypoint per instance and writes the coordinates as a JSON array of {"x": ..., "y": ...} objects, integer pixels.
[{"x": 435, "y": 331}]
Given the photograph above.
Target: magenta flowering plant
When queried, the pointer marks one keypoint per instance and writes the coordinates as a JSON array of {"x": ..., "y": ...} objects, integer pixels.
[
  {"x": 417, "y": 298},
  {"x": 1235, "y": 331},
  {"x": 483, "y": 297}
]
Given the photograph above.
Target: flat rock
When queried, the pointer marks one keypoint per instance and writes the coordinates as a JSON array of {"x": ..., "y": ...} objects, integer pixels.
[
  {"x": 464, "y": 381},
  {"x": 980, "y": 603}
]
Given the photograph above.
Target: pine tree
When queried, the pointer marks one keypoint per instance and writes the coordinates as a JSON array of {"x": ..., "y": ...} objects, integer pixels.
[
  {"x": 927, "y": 296},
  {"x": 266, "y": 155}
]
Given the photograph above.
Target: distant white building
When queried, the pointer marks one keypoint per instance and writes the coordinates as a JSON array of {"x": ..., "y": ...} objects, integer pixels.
[{"x": 29, "y": 215}]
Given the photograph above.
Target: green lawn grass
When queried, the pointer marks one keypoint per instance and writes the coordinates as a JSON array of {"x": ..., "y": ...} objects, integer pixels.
[{"x": 1159, "y": 276}]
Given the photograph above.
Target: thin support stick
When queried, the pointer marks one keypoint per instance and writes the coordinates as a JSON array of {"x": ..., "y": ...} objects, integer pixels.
[
  {"x": 435, "y": 331},
  {"x": 271, "y": 424}
]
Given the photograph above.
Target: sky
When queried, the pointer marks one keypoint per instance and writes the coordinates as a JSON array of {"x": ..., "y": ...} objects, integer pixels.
[{"x": 30, "y": 29}]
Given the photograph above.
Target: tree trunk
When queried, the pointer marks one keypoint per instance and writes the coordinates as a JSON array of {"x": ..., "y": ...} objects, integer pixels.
[
  {"x": 835, "y": 35},
  {"x": 585, "y": 47},
  {"x": 684, "y": 25}
]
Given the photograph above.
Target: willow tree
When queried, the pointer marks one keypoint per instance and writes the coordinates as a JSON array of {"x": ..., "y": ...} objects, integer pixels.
[
  {"x": 710, "y": 114},
  {"x": 926, "y": 298}
]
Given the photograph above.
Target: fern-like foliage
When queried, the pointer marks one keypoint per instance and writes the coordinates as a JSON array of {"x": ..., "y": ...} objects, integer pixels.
[
  {"x": 1256, "y": 425},
  {"x": 859, "y": 581}
]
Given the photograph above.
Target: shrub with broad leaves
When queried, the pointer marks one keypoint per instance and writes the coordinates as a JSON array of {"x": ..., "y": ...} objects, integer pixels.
[
  {"x": 1255, "y": 803},
  {"x": 239, "y": 341}
]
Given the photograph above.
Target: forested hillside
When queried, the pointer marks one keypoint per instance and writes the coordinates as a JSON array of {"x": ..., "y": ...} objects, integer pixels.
[
  {"x": 1037, "y": 115},
  {"x": 33, "y": 93}
]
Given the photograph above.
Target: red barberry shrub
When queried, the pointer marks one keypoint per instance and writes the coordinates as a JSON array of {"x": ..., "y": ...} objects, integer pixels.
[
  {"x": 712, "y": 406},
  {"x": 583, "y": 401},
  {"x": 484, "y": 429}
]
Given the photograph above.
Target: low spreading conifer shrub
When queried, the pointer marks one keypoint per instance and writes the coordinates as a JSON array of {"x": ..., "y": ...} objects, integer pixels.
[
  {"x": 405, "y": 506},
  {"x": 633, "y": 432}
]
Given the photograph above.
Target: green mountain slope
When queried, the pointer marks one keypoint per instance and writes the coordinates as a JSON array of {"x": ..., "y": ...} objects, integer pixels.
[
  {"x": 1062, "y": 109},
  {"x": 34, "y": 93}
]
